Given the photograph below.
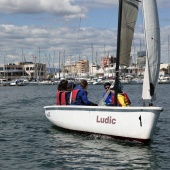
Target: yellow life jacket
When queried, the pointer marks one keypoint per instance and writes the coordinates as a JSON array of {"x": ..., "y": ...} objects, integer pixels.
[{"x": 122, "y": 100}]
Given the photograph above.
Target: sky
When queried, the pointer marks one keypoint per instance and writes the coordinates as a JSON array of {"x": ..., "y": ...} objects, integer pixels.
[{"x": 50, "y": 31}]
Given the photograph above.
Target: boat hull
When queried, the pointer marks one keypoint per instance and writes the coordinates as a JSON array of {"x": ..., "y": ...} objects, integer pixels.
[{"x": 133, "y": 123}]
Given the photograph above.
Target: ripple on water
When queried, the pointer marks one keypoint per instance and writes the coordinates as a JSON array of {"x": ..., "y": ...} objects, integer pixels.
[{"x": 29, "y": 141}]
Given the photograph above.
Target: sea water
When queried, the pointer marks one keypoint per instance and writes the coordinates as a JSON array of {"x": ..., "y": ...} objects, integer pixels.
[{"x": 29, "y": 141}]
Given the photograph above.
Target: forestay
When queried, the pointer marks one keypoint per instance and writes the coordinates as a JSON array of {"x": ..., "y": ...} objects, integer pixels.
[{"x": 152, "y": 36}]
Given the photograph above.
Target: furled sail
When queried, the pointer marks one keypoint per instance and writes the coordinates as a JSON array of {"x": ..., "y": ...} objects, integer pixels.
[
  {"x": 129, "y": 17},
  {"x": 152, "y": 36}
]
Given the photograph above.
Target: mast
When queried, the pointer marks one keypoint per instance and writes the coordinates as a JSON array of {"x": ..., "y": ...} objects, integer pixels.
[
  {"x": 59, "y": 64},
  {"x": 118, "y": 51},
  {"x": 92, "y": 59},
  {"x": 4, "y": 69},
  {"x": 39, "y": 67},
  {"x": 64, "y": 63},
  {"x": 22, "y": 64},
  {"x": 168, "y": 57}
]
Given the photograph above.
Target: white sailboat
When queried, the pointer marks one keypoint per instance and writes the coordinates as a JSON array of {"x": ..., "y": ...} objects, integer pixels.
[{"x": 132, "y": 123}]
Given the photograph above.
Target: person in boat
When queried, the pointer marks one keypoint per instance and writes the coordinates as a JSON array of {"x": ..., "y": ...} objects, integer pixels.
[
  {"x": 71, "y": 86},
  {"x": 79, "y": 95},
  {"x": 107, "y": 99},
  {"x": 63, "y": 95},
  {"x": 122, "y": 98}
]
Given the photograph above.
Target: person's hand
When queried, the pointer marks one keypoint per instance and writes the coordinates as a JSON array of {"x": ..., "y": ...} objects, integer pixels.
[{"x": 112, "y": 91}]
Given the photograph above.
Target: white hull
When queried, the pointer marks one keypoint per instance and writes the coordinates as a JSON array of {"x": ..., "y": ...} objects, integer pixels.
[
  {"x": 133, "y": 123},
  {"x": 42, "y": 83},
  {"x": 33, "y": 83},
  {"x": 164, "y": 80},
  {"x": 14, "y": 83},
  {"x": 46, "y": 83},
  {"x": 136, "y": 81},
  {"x": 98, "y": 82}
]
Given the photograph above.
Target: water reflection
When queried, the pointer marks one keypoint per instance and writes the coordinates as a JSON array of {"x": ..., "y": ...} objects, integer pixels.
[{"x": 101, "y": 152}]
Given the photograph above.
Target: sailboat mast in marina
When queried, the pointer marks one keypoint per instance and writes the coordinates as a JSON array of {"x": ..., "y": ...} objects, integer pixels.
[
  {"x": 127, "y": 16},
  {"x": 134, "y": 123}
]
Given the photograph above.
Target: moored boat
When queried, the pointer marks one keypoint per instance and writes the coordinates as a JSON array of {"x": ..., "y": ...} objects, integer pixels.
[
  {"x": 4, "y": 82},
  {"x": 164, "y": 80},
  {"x": 17, "y": 82}
]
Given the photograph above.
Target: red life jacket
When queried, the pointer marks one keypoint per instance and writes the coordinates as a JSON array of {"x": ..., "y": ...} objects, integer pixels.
[
  {"x": 74, "y": 95},
  {"x": 127, "y": 100},
  {"x": 61, "y": 98},
  {"x": 113, "y": 100}
]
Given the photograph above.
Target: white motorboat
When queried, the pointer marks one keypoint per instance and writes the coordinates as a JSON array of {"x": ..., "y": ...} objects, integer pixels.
[
  {"x": 46, "y": 82},
  {"x": 132, "y": 123},
  {"x": 164, "y": 80},
  {"x": 17, "y": 82},
  {"x": 98, "y": 81},
  {"x": 90, "y": 81},
  {"x": 136, "y": 81}
]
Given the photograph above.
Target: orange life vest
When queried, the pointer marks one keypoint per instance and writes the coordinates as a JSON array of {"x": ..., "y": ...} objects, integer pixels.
[{"x": 61, "y": 98}]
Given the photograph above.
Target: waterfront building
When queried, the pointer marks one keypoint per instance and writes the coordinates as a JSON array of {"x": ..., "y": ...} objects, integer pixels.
[
  {"x": 28, "y": 70},
  {"x": 70, "y": 70},
  {"x": 76, "y": 69},
  {"x": 107, "y": 61},
  {"x": 82, "y": 67},
  {"x": 141, "y": 59}
]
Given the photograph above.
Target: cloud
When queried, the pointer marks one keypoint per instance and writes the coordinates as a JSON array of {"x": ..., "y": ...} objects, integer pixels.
[
  {"x": 76, "y": 38},
  {"x": 74, "y": 41},
  {"x": 55, "y": 7}
]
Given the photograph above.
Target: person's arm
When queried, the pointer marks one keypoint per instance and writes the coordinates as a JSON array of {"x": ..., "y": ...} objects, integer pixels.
[{"x": 86, "y": 101}]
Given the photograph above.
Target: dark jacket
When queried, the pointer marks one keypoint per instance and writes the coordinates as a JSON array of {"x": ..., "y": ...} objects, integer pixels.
[{"x": 81, "y": 97}]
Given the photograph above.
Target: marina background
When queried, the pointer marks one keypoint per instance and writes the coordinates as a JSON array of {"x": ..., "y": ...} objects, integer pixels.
[
  {"x": 30, "y": 141},
  {"x": 69, "y": 28}
]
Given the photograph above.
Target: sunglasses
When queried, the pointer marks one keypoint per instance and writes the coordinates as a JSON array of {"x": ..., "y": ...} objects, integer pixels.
[{"x": 107, "y": 87}]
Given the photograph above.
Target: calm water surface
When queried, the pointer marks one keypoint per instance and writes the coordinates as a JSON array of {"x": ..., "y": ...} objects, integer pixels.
[{"x": 29, "y": 141}]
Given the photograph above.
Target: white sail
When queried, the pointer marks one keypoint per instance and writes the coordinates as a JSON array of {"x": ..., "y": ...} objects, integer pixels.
[
  {"x": 129, "y": 17},
  {"x": 152, "y": 36},
  {"x": 146, "y": 82}
]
